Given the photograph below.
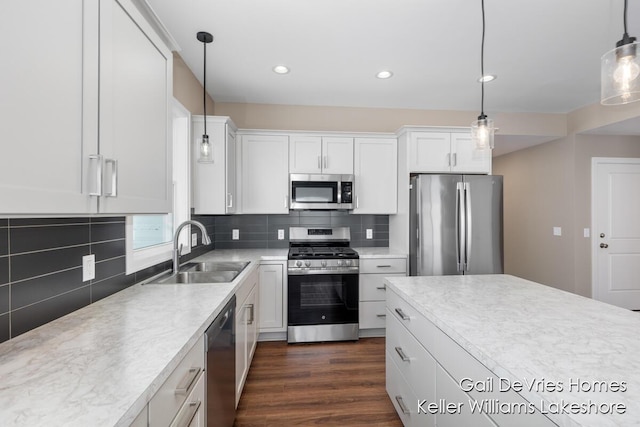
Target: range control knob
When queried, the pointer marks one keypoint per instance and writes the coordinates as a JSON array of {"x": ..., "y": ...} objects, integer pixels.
[
  {"x": 347, "y": 262},
  {"x": 323, "y": 263},
  {"x": 298, "y": 263},
  {"x": 307, "y": 263},
  {"x": 340, "y": 263}
]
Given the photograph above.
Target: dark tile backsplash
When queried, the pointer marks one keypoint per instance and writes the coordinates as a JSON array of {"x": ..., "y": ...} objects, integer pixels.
[
  {"x": 41, "y": 258},
  {"x": 41, "y": 268},
  {"x": 261, "y": 231}
]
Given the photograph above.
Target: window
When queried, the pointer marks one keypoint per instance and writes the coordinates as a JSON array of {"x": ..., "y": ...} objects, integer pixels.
[{"x": 150, "y": 237}]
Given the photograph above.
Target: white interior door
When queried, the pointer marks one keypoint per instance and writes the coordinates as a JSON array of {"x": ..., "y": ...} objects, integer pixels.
[{"x": 616, "y": 231}]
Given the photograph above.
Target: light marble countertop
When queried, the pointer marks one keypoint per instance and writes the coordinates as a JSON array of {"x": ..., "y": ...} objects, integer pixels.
[
  {"x": 379, "y": 253},
  {"x": 523, "y": 330},
  {"x": 100, "y": 365}
]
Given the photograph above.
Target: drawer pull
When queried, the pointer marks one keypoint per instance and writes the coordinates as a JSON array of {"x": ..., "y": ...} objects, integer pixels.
[
  {"x": 402, "y": 315},
  {"x": 403, "y": 407},
  {"x": 384, "y": 266},
  {"x": 403, "y": 356},
  {"x": 187, "y": 381},
  {"x": 381, "y": 315},
  {"x": 381, "y": 288},
  {"x": 186, "y": 418}
]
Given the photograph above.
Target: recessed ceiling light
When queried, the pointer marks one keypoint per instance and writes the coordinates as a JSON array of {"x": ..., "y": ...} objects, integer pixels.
[
  {"x": 281, "y": 69},
  {"x": 384, "y": 74},
  {"x": 487, "y": 78}
]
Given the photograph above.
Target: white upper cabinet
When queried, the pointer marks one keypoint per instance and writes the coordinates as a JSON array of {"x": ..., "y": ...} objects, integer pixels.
[
  {"x": 444, "y": 152},
  {"x": 264, "y": 176},
  {"x": 214, "y": 184},
  {"x": 99, "y": 141},
  {"x": 376, "y": 176},
  {"x": 320, "y": 154}
]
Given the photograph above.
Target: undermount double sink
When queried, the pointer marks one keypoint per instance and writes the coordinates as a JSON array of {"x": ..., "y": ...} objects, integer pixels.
[{"x": 204, "y": 272}]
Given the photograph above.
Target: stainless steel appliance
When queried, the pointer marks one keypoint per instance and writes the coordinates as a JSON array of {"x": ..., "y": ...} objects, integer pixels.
[
  {"x": 321, "y": 191},
  {"x": 220, "y": 368},
  {"x": 322, "y": 285},
  {"x": 455, "y": 225}
]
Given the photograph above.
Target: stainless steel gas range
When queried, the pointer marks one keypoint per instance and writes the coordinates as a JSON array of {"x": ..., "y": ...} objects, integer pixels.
[{"x": 322, "y": 285}]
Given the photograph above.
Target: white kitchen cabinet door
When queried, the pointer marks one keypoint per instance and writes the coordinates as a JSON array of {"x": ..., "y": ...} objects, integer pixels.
[
  {"x": 376, "y": 176},
  {"x": 135, "y": 127},
  {"x": 429, "y": 152},
  {"x": 45, "y": 96},
  {"x": 305, "y": 154},
  {"x": 246, "y": 325},
  {"x": 467, "y": 159},
  {"x": 321, "y": 154},
  {"x": 272, "y": 317},
  {"x": 337, "y": 155},
  {"x": 214, "y": 184},
  {"x": 264, "y": 174}
]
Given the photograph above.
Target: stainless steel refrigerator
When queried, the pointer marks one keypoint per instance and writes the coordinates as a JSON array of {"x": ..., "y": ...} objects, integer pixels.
[{"x": 455, "y": 225}]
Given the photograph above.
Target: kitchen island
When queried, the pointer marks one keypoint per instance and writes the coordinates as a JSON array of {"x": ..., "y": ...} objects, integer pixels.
[
  {"x": 527, "y": 354},
  {"x": 102, "y": 364}
]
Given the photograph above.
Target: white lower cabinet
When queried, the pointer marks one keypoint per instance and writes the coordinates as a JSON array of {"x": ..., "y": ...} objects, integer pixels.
[
  {"x": 432, "y": 366},
  {"x": 373, "y": 290},
  {"x": 142, "y": 420},
  {"x": 184, "y": 386},
  {"x": 246, "y": 324},
  {"x": 273, "y": 295}
]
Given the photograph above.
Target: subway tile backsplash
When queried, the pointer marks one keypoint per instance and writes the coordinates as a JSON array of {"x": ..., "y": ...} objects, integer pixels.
[
  {"x": 261, "y": 231},
  {"x": 41, "y": 268},
  {"x": 41, "y": 258}
]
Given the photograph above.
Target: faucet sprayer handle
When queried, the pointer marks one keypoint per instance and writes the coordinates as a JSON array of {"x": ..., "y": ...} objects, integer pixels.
[{"x": 180, "y": 249}]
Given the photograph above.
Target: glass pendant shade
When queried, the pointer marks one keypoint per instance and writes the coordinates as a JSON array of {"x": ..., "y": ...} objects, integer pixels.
[
  {"x": 482, "y": 132},
  {"x": 620, "y": 75},
  {"x": 206, "y": 153}
]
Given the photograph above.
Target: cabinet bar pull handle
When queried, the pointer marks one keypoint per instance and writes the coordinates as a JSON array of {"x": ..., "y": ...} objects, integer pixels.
[
  {"x": 403, "y": 356},
  {"x": 319, "y": 163},
  {"x": 402, "y": 314},
  {"x": 229, "y": 200},
  {"x": 187, "y": 381},
  {"x": 98, "y": 184},
  {"x": 382, "y": 288},
  {"x": 403, "y": 407},
  {"x": 455, "y": 159},
  {"x": 449, "y": 159},
  {"x": 285, "y": 201},
  {"x": 357, "y": 202},
  {"x": 381, "y": 315},
  {"x": 186, "y": 418},
  {"x": 384, "y": 266},
  {"x": 326, "y": 162},
  {"x": 251, "y": 314},
  {"x": 113, "y": 182}
]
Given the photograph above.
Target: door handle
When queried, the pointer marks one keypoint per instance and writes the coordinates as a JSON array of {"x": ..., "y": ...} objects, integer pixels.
[
  {"x": 319, "y": 163},
  {"x": 97, "y": 158},
  {"x": 113, "y": 181},
  {"x": 604, "y": 245}
]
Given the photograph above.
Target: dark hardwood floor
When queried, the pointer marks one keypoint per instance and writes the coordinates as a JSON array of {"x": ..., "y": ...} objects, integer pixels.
[{"x": 326, "y": 384}]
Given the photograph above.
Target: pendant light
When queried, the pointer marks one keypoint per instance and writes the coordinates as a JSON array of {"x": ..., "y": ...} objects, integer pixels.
[
  {"x": 482, "y": 130},
  {"x": 206, "y": 152},
  {"x": 620, "y": 69}
]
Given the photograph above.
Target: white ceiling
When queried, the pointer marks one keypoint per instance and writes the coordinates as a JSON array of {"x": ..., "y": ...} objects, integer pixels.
[{"x": 546, "y": 53}]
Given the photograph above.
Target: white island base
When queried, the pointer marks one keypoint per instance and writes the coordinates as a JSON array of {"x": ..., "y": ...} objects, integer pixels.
[{"x": 497, "y": 350}]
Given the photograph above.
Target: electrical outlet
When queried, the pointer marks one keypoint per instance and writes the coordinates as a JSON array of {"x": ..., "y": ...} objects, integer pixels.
[
  {"x": 369, "y": 233},
  {"x": 557, "y": 231},
  {"x": 88, "y": 267},
  {"x": 235, "y": 234},
  {"x": 194, "y": 239},
  {"x": 280, "y": 234}
]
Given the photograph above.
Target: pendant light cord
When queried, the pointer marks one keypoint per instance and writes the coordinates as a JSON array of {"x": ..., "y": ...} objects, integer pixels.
[
  {"x": 482, "y": 62},
  {"x": 204, "y": 86},
  {"x": 625, "y": 17}
]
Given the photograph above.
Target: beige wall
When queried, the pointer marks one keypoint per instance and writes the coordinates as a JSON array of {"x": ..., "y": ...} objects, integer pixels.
[
  {"x": 550, "y": 185},
  {"x": 187, "y": 89}
]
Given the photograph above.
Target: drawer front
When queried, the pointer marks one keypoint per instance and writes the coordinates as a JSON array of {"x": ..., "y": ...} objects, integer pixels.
[
  {"x": 372, "y": 287},
  {"x": 372, "y": 314},
  {"x": 460, "y": 364},
  {"x": 403, "y": 398},
  {"x": 418, "y": 326},
  {"x": 459, "y": 414},
  {"x": 164, "y": 405},
  {"x": 415, "y": 363},
  {"x": 192, "y": 412},
  {"x": 383, "y": 265}
]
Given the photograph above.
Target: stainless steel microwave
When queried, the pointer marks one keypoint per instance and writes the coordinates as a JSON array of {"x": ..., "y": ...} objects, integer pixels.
[{"x": 321, "y": 191}]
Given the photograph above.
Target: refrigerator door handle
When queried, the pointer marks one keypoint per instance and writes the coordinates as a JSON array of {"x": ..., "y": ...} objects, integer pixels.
[
  {"x": 419, "y": 267},
  {"x": 460, "y": 226},
  {"x": 468, "y": 214}
]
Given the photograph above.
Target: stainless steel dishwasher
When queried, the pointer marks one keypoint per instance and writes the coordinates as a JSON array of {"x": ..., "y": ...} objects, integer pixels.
[{"x": 221, "y": 368}]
